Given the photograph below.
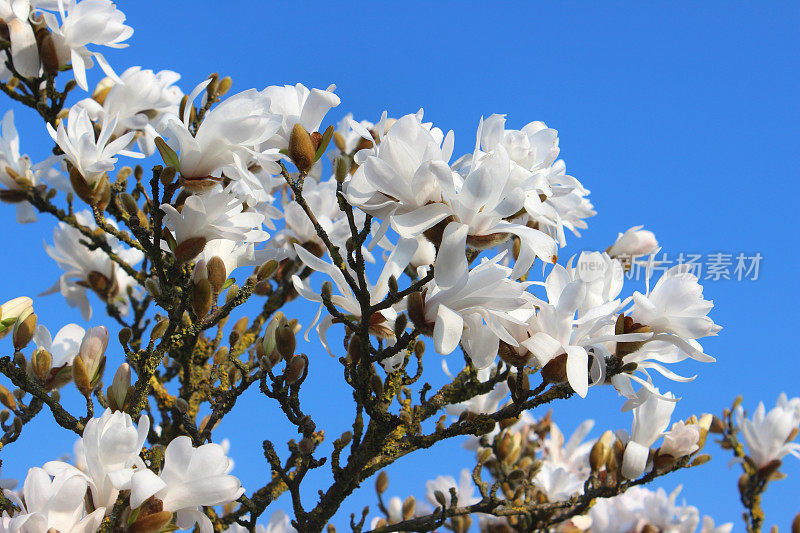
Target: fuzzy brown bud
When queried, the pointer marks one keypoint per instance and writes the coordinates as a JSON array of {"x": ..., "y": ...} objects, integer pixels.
[
  {"x": 285, "y": 341},
  {"x": 7, "y": 399},
  {"x": 382, "y": 482},
  {"x": 295, "y": 369},
  {"x": 188, "y": 249},
  {"x": 81, "y": 377},
  {"x": 202, "y": 298},
  {"x": 301, "y": 149},
  {"x": 41, "y": 361},
  {"x": 159, "y": 329},
  {"x": 24, "y": 328},
  {"x": 217, "y": 273}
]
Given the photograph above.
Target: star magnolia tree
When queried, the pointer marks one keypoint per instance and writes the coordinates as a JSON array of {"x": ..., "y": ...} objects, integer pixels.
[{"x": 414, "y": 257}]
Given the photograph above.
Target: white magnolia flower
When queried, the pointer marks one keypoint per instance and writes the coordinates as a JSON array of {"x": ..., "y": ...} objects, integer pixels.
[
  {"x": 295, "y": 104},
  {"x": 471, "y": 306},
  {"x": 676, "y": 311},
  {"x": 93, "y": 269},
  {"x": 681, "y": 440},
  {"x": 191, "y": 478},
  {"x": 650, "y": 419},
  {"x": 51, "y": 505},
  {"x": 465, "y": 489},
  {"x": 17, "y": 173},
  {"x": 138, "y": 100},
  {"x": 767, "y": 434},
  {"x": 578, "y": 318},
  {"x": 24, "y": 51},
  {"x": 213, "y": 214},
  {"x": 399, "y": 175},
  {"x": 635, "y": 242},
  {"x": 107, "y": 454},
  {"x": 557, "y": 483},
  {"x": 236, "y": 254},
  {"x": 233, "y": 128},
  {"x": 92, "y": 156},
  {"x": 638, "y": 507},
  {"x": 62, "y": 349},
  {"x": 573, "y": 455},
  {"x": 346, "y": 300},
  {"x": 552, "y": 200},
  {"x": 88, "y": 22}
]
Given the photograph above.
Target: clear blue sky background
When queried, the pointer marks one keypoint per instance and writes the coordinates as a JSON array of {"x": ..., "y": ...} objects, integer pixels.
[{"x": 678, "y": 116}]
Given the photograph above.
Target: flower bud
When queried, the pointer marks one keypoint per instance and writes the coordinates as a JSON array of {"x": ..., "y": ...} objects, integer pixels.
[
  {"x": 188, "y": 249},
  {"x": 633, "y": 243},
  {"x": 267, "y": 270},
  {"x": 92, "y": 353},
  {"x": 484, "y": 454},
  {"x": 341, "y": 168},
  {"x": 409, "y": 506},
  {"x": 200, "y": 271},
  {"x": 301, "y": 149},
  {"x": 339, "y": 142},
  {"x": 150, "y": 523},
  {"x": 700, "y": 460},
  {"x": 217, "y": 274},
  {"x": 382, "y": 482},
  {"x": 168, "y": 175},
  {"x": 598, "y": 457},
  {"x": 439, "y": 497},
  {"x": 153, "y": 287},
  {"x": 124, "y": 336},
  {"x": 285, "y": 341},
  {"x": 7, "y": 399},
  {"x": 295, "y": 369},
  {"x": 41, "y": 361},
  {"x": 10, "y": 311},
  {"x": 238, "y": 330},
  {"x": 24, "y": 328},
  {"x": 233, "y": 291},
  {"x": 159, "y": 329},
  {"x": 224, "y": 85},
  {"x": 81, "y": 377},
  {"x": 117, "y": 393},
  {"x": 202, "y": 298}
]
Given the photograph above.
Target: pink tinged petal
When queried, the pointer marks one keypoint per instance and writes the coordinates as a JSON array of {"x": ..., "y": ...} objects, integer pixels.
[
  {"x": 447, "y": 330},
  {"x": 143, "y": 484},
  {"x": 634, "y": 460},
  {"x": 577, "y": 369}
]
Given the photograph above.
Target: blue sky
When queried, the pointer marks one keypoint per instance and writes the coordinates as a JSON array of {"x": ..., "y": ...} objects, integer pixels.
[{"x": 678, "y": 116}]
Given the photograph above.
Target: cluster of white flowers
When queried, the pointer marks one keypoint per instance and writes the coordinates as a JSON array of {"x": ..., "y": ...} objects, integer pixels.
[
  {"x": 769, "y": 435},
  {"x": 107, "y": 460},
  {"x": 469, "y": 230},
  {"x": 639, "y": 507}
]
